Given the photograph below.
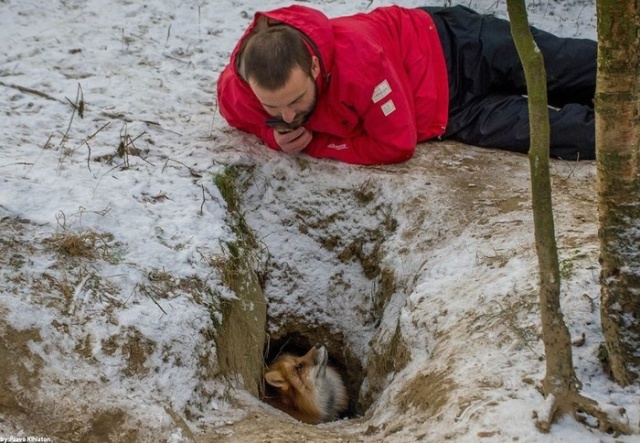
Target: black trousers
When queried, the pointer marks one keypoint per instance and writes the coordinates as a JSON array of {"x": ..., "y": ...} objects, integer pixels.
[{"x": 488, "y": 106}]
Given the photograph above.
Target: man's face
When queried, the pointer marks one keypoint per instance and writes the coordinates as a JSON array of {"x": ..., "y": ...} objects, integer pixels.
[{"x": 295, "y": 101}]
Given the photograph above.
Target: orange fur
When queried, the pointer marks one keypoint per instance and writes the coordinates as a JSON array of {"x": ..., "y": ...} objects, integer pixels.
[{"x": 306, "y": 388}]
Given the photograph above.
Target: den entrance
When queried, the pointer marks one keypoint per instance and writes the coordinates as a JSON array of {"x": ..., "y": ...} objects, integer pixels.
[{"x": 318, "y": 276}]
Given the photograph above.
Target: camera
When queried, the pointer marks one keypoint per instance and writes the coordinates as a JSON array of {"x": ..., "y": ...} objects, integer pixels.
[{"x": 279, "y": 125}]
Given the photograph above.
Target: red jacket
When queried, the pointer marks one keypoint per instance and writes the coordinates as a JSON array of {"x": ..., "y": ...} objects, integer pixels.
[{"x": 384, "y": 86}]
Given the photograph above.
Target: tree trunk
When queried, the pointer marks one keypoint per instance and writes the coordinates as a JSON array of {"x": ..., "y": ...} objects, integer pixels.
[
  {"x": 560, "y": 385},
  {"x": 618, "y": 182},
  {"x": 560, "y": 381}
]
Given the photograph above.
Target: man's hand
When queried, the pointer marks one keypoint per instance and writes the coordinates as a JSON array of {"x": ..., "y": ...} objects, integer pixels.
[{"x": 295, "y": 141}]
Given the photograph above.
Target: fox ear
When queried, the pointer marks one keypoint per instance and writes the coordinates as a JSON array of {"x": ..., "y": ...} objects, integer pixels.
[{"x": 275, "y": 379}]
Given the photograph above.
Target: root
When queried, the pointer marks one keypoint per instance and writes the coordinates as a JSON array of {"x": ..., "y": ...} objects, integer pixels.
[{"x": 609, "y": 418}]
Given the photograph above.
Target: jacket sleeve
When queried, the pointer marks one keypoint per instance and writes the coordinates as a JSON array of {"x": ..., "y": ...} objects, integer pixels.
[{"x": 387, "y": 115}]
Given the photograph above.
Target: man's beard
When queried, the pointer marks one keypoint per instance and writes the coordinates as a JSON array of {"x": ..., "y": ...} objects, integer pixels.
[{"x": 304, "y": 116}]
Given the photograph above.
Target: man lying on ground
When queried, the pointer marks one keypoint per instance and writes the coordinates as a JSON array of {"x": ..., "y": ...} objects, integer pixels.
[{"x": 367, "y": 88}]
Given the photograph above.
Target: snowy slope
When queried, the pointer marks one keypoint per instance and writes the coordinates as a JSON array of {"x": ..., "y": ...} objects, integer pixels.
[{"x": 109, "y": 293}]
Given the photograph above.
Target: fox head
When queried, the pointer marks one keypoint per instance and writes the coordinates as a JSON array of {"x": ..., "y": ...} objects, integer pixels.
[
  {"x": 306, "y": 387},
  {"x": 298, "y": 373}
]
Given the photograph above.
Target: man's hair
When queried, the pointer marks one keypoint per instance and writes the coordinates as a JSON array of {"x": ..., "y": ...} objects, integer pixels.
[{"x": 272, "y": 54}]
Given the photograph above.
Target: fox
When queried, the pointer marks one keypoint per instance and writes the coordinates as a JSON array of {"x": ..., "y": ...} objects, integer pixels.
[{"x": 306, "y": 387}]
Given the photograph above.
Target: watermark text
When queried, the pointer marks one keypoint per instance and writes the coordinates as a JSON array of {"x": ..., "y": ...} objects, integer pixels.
[{"x": 24, "y": 439}]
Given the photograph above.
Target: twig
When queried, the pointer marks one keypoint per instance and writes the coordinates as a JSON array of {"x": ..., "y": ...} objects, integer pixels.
[
  {"x": 60, "y": 215},
  {"x": 17, "y": 164},
  {"x": 166, "y": 42},
  {"x": 199, "y": 23},
  {"x": 79, "y": 104},
  {"x": 177, "y": 59},
  {"x": 100, "y": 179},
  {"x": 116, "y": 116},
  {"x": 26, "y": 90},
  {"x": 75, "y": 108},
  {"x": 157, "y": 304},
  {"x": 86, "y": 142},
  {"x": 124, "y": 118},
  {"x": 39, "y": 155},
  {"x": 203, "y": 201},
  {"x": 191, "y": 171}
]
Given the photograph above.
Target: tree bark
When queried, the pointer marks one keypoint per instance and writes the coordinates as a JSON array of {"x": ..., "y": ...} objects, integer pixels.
[
  {"x": 560, "y": 379},
  {"x": 618, "y": 183},
  {"x": 560, "y": 385}
]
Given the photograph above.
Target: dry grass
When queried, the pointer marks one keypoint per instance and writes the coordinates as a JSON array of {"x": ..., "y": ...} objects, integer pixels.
[
  {"x": 512, "y": 319},
  {"x": 88, "y": 245}
]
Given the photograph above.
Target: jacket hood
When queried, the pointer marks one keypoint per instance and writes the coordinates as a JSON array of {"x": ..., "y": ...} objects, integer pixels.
[{"x": 313, "y": 24}]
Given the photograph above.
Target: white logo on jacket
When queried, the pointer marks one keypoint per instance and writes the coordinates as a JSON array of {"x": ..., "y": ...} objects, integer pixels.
[
  {"x": 388, "y": 107},
  {"x": 381, "y": 91}
]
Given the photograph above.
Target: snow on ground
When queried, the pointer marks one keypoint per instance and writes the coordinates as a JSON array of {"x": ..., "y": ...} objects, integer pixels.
[{"x": 111, "y": 225}]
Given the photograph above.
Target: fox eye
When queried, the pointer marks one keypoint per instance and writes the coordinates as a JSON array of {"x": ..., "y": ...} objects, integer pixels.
[{"x": 298, "y": 367}]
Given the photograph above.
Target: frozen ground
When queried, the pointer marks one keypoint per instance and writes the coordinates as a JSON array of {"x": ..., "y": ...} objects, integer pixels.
[{"x": 111, "y": 227}]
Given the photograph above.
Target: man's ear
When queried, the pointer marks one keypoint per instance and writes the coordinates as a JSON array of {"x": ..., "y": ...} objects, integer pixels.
[
  {"x": 276, "y": 379},
  {"x": 315, "y": 67}
]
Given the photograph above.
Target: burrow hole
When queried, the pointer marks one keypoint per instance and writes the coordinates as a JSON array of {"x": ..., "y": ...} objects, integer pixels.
[{"x": 340, "y": 357}]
